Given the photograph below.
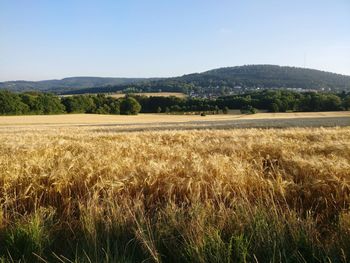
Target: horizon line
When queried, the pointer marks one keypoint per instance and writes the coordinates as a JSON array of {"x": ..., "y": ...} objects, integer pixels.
[{"x": 164, "y": 77}]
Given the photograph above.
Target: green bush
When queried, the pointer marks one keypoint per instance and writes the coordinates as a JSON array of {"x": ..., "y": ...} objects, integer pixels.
[
  {"x": 248, "y": 110},
  {"x": 129, "y": 106}
]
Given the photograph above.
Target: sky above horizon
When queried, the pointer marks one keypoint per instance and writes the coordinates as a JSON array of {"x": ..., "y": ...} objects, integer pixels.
[{"x": 41, "y": 39}]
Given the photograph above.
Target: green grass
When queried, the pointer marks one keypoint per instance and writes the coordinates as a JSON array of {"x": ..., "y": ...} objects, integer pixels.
[{"x": 238, "y": 234}]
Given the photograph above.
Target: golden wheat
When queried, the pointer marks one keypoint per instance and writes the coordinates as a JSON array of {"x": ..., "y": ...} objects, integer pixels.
[
  {"x": 175, "y": 166},
  {"x": 82, "y": 174}
]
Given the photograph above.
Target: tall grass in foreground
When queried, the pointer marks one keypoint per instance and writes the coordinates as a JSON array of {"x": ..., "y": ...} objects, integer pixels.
[{"x": 79, "y": 195}]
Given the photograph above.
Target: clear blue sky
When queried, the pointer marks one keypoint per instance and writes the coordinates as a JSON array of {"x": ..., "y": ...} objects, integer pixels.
[{"x": 46, "y": 39}]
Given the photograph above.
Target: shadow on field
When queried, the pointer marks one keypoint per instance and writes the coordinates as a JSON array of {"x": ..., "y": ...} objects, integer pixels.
[{"x": 227, "y": 124}]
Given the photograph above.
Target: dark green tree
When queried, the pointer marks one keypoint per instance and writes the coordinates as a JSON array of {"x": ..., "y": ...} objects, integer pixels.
[
  {"x": 225, "y": 110},
  {"x": 49, "y": 104},
  {"x": 129, "y": 106},
  {"x": 78, "y": 104},
  {"x": 274, "y": 107},
  {"x": 11, "y": 104},
  {"x": 248, "y": 110},
  {"x": 346, "y": 102}
]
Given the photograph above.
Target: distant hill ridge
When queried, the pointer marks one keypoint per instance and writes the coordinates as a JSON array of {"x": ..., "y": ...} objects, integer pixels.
[
  {"x": 270, "y": 75},
  {"x": 66, "y": 84},
  {"x": 245, "y": 77}
]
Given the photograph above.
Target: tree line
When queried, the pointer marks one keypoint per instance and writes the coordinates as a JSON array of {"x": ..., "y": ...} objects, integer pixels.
[
  {"x": 271, "y": 100},
  {"x": 45, "y": 103}
]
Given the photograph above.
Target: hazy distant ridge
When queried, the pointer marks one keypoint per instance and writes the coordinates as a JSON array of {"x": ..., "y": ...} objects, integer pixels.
[
  {"x": 249, "y": 77},
  {"x": 66, "y": 84}
]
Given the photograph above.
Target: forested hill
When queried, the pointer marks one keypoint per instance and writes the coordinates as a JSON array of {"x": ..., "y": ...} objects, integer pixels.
[
  {"x": 271, "y": 76},
  {"x": 66, "y": 84},
  {"x": 222, "y": 81}
]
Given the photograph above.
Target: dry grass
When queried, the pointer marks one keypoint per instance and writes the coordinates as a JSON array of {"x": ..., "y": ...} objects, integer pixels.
[{"x": 176, "y": 196}]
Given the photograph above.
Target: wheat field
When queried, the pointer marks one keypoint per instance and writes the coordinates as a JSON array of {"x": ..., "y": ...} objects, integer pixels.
[
  {"x": 150, "y": 94},
  {"x": 163, "y": 119},
  {"x": 79, "y": 194}
]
